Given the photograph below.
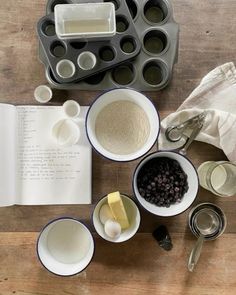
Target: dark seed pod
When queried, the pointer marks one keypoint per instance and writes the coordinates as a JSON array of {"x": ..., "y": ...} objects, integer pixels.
[{"x": 163, "y": 238}]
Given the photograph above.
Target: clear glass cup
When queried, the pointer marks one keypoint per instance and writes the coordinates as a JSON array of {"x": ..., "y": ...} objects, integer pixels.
[{"x": 218, "y": 177}]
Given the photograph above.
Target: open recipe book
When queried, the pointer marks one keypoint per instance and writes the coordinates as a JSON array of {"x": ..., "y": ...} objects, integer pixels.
[{"x": 34, "y": 170}]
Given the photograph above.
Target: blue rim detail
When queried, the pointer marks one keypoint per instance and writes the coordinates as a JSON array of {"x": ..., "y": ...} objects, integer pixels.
[
  {"x": 86, "y": 129},
  {"x": 52, "y": 221},
  {"x": 103, "y": 197},
  {"x": 157, "y": 152}
]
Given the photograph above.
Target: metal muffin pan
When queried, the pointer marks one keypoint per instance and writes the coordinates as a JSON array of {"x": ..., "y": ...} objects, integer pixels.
[
  {"x": 58, "y": 53},
  {"x": 152, "y": 69}
]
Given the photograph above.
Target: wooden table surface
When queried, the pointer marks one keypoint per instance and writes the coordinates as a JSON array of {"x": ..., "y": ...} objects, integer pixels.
[{"x": 139, "y": 266}]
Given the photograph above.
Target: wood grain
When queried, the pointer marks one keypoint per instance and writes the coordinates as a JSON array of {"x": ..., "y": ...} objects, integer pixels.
[
  {"x": 207, "y": 39},
  {"x": 116, "y": 269}
]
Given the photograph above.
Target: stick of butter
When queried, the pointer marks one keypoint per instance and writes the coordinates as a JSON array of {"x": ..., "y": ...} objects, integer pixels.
[{"x": 118, "y": 210}]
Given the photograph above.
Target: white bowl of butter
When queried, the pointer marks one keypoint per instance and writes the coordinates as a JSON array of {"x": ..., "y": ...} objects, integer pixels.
[
  {"x": 133, "y": 216},
  {"x": 122, "y": 124}
]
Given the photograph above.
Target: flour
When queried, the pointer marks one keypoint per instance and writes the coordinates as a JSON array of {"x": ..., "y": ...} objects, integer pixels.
[{"x": 122, "y": 127}]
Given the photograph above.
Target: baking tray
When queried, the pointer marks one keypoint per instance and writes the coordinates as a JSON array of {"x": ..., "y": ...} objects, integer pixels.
[
  {"x": 123, "y": 46},
  {"x": 150, "y": 71}
]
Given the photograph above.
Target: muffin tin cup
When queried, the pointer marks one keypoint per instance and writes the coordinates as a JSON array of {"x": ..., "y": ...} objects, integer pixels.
[
  {"x": 156, "y": 12},
  {"x": 65, "y": 68},
  {"x": 152, "y": 68},
  {"x": 133, "y": 9},
  {"x": 155, "y": 73},
  {"x": 86, "y": 60},
  {"x": 155, "y": 42},
  {"x": 124, "y": 75},
  {"x": 124, "y": 45}
]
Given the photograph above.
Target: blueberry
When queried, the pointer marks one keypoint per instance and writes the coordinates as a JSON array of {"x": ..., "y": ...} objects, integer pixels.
[{"x": 162, "y": 181}]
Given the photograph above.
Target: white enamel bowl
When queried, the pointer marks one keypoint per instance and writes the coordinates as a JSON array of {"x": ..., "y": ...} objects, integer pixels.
[
  {"x": 133, "y": 216},
  {"x": 117, "y": 95},
  {"x": 188, "y": 197},
  {"x": 65, "y": 246}
]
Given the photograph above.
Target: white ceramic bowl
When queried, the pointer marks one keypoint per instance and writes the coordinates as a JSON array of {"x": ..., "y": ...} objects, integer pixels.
[
  {"x": 65, "y": 246},
  {"x": 129, "y": 95},
  {"x": 188, "y": 197},
  {"x": 133, "y": 215},
  {"x": 71, "y": 109},
  {"x": 43, "y": 93},
  {"x": 66, "y": 132}
]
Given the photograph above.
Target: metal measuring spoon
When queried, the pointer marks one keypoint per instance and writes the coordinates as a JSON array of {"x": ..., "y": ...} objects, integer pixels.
[
  {"x": 207, "y": 222},
  {"x": 175, "y": 133},
  {"x": 194, "y": 134}
]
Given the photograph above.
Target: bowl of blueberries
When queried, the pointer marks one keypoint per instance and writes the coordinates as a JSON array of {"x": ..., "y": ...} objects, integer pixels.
[{"x": 165, "y": 183}]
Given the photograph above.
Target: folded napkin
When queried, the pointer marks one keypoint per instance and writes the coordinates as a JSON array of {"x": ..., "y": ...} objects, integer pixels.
[{"x": 216, "y": 94}]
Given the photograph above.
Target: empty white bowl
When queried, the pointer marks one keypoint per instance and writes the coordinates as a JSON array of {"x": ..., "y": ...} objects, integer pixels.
[
  {"x": 65, "y": 68},
  {"x": 188, "y": 197},
  {"x": 71, "y": 109},
  {"x": 121, "y": 94},
  {"x": 87, "y": 60},
  {"x": 43, "y": 93},
  {"x": 65, "y": 246},
  {"x": 66, "y": 132},
  {"x": 133, "y": 216}
]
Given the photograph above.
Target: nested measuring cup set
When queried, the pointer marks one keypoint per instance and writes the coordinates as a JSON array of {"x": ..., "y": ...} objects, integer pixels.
[{"x": 207, "y": 221}]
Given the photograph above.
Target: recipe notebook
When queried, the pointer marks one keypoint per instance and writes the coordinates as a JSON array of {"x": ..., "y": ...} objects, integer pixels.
[{"x": 34, "y": 170}]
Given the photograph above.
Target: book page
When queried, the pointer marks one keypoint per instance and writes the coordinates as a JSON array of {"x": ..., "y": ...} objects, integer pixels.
[
  {"x": 8, "y": 118},
  {"x": 47, "y": 172}
]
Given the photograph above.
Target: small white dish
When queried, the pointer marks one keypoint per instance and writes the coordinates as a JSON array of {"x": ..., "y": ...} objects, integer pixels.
[
  {"x": 66, "y": 133},
  {"x": 125, "y": 94},
  {"x": 43, "y": 93},
  {"x": 86, "y": 60},
  {"x": 133, "y": 216},
  {"x": 65, "y": 68},
  {"x": 188, "y": 197},
  {"x": 65, "y": 246},
  {"x": 71, "y": 109}
]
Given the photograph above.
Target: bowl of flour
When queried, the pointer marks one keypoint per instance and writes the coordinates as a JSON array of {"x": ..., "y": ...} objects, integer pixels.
[{"x": 122, "y": 124}]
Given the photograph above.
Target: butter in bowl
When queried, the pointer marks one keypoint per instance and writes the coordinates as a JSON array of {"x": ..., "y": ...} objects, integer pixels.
[{"x": 116, "y": 217}]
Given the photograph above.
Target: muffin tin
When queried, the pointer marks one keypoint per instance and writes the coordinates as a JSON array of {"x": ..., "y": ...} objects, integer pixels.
[
  {"x": 152, "y": 69},
  {"x": 63, "y": 54}
]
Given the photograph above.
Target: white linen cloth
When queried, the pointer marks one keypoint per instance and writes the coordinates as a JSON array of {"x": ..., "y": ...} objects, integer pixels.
[{"x": 216, "y": 94}]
